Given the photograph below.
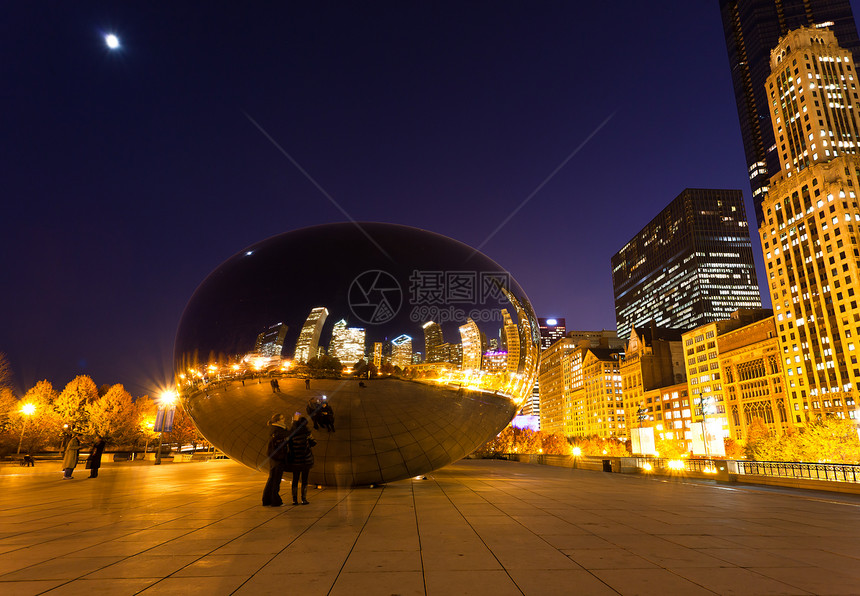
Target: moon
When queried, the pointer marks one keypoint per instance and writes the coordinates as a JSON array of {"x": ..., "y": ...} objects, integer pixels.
[{"x": 112, "y": 41}]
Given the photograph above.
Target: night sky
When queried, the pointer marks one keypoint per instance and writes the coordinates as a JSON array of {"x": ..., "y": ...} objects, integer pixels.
[{"x": 129, "y": 175}]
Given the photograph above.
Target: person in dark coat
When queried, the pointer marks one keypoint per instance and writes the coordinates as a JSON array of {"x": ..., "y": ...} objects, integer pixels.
[
  {"x": 94, "y": 461},
  {"x": 301, "y": 455},
  {"x": 313, "y": 410},
  {"x": 276, "y": 453},
  {"x": 70, "y": 456},
  {"x": 325, "y": 417}
]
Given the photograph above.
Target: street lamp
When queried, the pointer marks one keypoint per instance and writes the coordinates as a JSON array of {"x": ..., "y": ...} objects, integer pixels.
[
  {"x": 28, "y": 410},
  {"x": 164, "y": 418},
  {"x": 576, "y": 453}
]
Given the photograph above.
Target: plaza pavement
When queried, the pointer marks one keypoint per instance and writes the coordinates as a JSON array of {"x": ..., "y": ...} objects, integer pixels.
[{"x": 474, "y": 527}]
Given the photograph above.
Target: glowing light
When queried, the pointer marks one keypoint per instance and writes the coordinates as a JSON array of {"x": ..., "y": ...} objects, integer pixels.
[
  {"x": 551, "y": 322},
  {"x": 112, "y": 41},
  {"x": 577, "y": 451},
  {"x": 676, "y": 464},
  {"x": 28, "y": 409},
  {"x": 647, "y": 467},
  {"x": 168, "y": 398}
]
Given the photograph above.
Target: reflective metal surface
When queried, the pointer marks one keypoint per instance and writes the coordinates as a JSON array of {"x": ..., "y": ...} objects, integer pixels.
[{"x": 423, "y": 348}]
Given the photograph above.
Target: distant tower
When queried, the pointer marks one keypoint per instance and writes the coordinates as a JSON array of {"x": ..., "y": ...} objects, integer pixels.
[
  {"x": 377, "y": 354},
  {"x": 271, "y": 341},
  {"x": 512, "y": 341},
  {"x": 690, "y": 265},
  {"x": 752, "y": 29},
  {"x": 347, "y": 343},
  {"x": 470, "y": 336},
  {"x": 309, "y": 337},
  {"x": 433, "y": 341},
  {"x": 551, "y": 330},
  {"x": 402, "y": 351}
]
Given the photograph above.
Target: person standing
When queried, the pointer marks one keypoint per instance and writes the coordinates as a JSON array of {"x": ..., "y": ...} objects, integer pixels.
[
  {"x": 325, "y": 418},
  {"x": 94, "y": 461},
  {"x": 70, "y": 457},
  {"x": 301, "y": 455},
  {"x": 276, "y": 453}
]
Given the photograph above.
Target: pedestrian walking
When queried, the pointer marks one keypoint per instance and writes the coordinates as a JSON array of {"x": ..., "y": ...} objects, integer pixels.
[
  {"x": 276, "y": 385},
  {"x": 301, "y": 456},
  {"x": 70, "y": 457},
  {"x": 276, "y": 455},
  {"x": 94, "y": 461},
  {"x": 307, "y": 383}
]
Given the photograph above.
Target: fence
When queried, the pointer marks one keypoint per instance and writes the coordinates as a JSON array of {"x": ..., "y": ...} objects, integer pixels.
[{"x": 831, "y": 472}]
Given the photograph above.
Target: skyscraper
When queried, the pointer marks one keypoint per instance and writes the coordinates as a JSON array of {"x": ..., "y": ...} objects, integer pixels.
[
  {"x": 347, "y": 343},
  {"x": 551, "y": 330},
  {"x": 512, "y": 342},
  {"x": 433, "y": 341},
  {"x": 690, "y": 265},
  {"x": 271, "y": 341},
  {"x": 309, "y": 337},
  {"x": 811, "y": 231},
  {"x": 752, "y": 29},
  {"x": 401, "y": 351},
  {"x": 472, "y": 348}
]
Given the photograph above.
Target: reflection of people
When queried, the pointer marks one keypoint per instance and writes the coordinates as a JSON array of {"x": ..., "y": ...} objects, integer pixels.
[
  {"x": 325, "y": 417},
  {"x": 276, "y": 387},
  {"x": 94, "y": 461},
  {"x": 70, "y": 458},
  {"x": 28, "y": 461},
  {"x": 361, "y": 385},
  {"x": 301, "y": 456},
  {"x": 313, "y": 410},
  {"x": 307, "y": 383},
  {"x": 276, "y": 453}
]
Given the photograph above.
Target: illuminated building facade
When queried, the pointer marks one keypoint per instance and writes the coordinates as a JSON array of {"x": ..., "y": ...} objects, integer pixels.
[
  {"x": 551, "y": 330},
  {"x": 811, "y": 226},
  {"x": 470, "y": 337},
  {"x": 495, "y": 361},
  {"x": 690, "y": 265},
  {"x": 552, "y": 388},
  {"x": 753, "y": 378},
  {"x": 433, "y": 342},
  {"x": 603, "y": 399},
  {"x": 271, "y": 341},
  {"x": 704, "y": 375},
  {"x": 401, "y": 352},
  {"x": 377, "y": 354},
  {"x": 511, "y": 334},
  {"x": 347, "y": 343},
  {"x": 653, "y": 359},
  {"x": 752, "y": 29},
  {"x": 309, "y": 337}
]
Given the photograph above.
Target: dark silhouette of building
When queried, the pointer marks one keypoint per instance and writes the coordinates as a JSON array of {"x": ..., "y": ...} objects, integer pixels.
[
  {"x": 692, "y": 264},
  {"x": 752, "y": 29}
]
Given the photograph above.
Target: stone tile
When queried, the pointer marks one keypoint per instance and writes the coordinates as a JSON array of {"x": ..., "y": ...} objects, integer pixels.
[
  {"x": 62, "y": 568},
  {"x": 539, "y": 582},
  {"x": 144, "y": 566},
  {"x": 648, "y": 582},
  {"x": 470, "y": 583},
  {"x": 749, "y": 557},
  {"x": 383, "y": 561},
  {"x": 28, "y": 587},
  {"x": 813, "y": 580},
  {"x": 204, "y": 586},
  {"x": 114, "y": 587},
  {"x": 212, "y": 565},
  {"x": 608, "y": 558},
  {"x": 734, "y": 580},
  {"x": 307, "y": 584},
  {"x": 402, "y": 583}
]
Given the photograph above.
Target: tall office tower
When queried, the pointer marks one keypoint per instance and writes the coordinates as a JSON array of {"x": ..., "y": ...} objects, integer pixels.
[
  {"x": 271, "y": 341},
  {"x": 401, "y": 351},
  {"x": 551, "y": 330},
  {"x": 752, "y": 29},
  {"x": 309, "y": 337},
  {"x": 377, "y": 354},
  {"x": 811, "y": 232},
  {"x": 347, "y": 343},
  {"x": 433, "y": 341},
  {"x": 470, "y": 337},
  {"x": 690, "y": 265},
  {"x": 512, "y": 342}
]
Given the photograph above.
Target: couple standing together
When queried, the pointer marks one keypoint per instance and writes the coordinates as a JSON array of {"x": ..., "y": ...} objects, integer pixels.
[{"x": 288, "y": 450}]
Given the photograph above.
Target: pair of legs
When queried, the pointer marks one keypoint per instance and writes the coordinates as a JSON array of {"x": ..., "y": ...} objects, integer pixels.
[
  {"x": 271, "y": 493},
  {"x": 67, "y": 472},
  {"x": 94, "y": 472},
  {"x": 304, "y": 476}
]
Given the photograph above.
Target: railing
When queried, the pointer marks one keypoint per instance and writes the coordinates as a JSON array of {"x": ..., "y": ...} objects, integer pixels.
[{"x": 832, "y": 472}]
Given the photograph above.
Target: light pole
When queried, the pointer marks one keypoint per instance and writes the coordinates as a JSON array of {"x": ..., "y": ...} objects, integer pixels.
[
  {"x": 28, "y": 410},
  {"x": 164, "y": 419},
  {"x": 576, "y": 453}
]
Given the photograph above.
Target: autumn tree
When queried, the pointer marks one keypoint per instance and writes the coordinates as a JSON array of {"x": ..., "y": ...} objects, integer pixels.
[
  {"x": 114, "y": 417},
  {"x": 43, "y": 428},
  {"x": 734, "y": 450},
  {"x": 831, "y": 440},
  {"x": 72, "y": 403},
  {"x": 670, "y": 449},
  {"x": 184, "y": 431},
  {"x": 758, "y": 441},
  {"x": 555, "y": 444},
  {"x": 5, "y": 372}
]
